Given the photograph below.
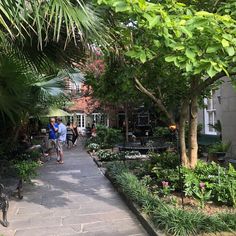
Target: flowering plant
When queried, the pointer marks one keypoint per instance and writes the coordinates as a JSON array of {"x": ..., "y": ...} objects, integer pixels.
[
  {"x": 201, "y": 194},
  {"x": 166, "y": 188},
  {"x": 93, "y": 147},
  {"x": 105, "y": 155}
]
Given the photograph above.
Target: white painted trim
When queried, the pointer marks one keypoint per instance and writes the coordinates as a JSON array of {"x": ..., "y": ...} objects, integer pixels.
[
  {"x": 206, "y": 119},
  {"x": 82, "y": 117}
]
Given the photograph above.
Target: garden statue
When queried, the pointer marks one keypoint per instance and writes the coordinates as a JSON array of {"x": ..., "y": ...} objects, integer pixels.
[
  {"x": 5, "y": 194},
  {"x": 4, "y": 205}
]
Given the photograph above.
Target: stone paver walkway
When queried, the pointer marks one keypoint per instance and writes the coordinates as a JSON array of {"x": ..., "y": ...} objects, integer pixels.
[{"x": 71, "y": 199}]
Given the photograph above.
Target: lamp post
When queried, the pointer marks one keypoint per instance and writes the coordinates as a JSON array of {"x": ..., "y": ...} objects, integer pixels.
[{"x": 174, "y": 129}]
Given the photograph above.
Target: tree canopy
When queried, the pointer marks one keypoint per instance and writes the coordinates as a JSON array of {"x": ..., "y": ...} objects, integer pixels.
[{"x": 188, "y": 45}]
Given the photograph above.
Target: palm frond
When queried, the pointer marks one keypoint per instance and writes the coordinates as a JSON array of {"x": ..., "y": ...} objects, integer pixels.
[
  {"x": 48, "y": 20},
  {"x": 49, "y": 86}
]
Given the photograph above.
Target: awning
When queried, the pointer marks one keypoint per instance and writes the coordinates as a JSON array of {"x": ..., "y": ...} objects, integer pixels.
[{"x": 56, "y": 112}]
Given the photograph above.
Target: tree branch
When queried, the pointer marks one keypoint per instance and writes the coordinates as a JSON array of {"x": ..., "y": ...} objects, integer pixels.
[
  {"x": 209, "y": 81},
  {"x": 157, "y": 101}
]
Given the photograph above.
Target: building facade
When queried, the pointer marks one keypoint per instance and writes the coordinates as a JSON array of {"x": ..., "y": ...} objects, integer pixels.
[{"x": 221, "y": 107}]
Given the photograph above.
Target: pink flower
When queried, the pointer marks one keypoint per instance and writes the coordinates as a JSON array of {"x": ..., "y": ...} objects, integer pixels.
[
  {"x": 165, "y": 184},
  {"x": 202, "y": 185}
]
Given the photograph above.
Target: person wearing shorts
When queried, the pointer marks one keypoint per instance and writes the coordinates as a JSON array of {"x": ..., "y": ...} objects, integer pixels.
[
  {"x": 53, "y": 128},
  {"x": 61, "y": 140}
]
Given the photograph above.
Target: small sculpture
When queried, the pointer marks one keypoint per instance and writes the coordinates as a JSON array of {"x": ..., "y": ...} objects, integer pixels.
[
  {"x": 4, "y": 205},
  {"x": 5, "y": 194}
]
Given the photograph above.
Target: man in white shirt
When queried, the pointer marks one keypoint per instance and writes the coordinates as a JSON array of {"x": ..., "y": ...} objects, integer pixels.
[{"x": 61, "y": 140}]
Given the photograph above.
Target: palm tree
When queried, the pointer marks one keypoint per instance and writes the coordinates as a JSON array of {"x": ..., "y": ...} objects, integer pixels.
[{"x": 36, "y": 36}]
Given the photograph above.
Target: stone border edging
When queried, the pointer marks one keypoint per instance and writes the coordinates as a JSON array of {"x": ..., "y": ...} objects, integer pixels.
[{"x": 145, "y": 222}]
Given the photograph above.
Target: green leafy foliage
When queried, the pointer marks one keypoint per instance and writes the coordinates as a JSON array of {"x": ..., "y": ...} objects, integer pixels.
[
  {"x": 173, "y": 25},
  {"x": 219, "y": 182},
  {"x": 163, "y": 216},
  {"x": 93, "y": 147},
  {"x": 105, "y": 155},
  {"x": 217, "y": 179},
  {"x": 107, "y": 137},
  {"x": 191, "y": 45},
  {"x": 49, "y": 21},
  {"x": 162, "y": 134},
  {"x": 165, "y": 160},
  {"x": 201, "y": 194},
  {"x": 164, "y": 167},
  {"x": 26, "y": 169},
  {"x": 219, "y": 147}
]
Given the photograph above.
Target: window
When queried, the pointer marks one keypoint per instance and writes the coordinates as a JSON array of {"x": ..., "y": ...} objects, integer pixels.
[
  {"x": 143, "y": 119},
  {"x": 99, "y": 118},
  {"x": 210, "y": 114},
  {"x": 81, "y": 120}
]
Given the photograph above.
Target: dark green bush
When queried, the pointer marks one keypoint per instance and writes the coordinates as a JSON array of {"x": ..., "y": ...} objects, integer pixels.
[
  {"x": 107, "y": 137},
  {"x": 169, "y": 175},
  {"x": 165, "y": 160},
  {"x": 35, "y": 155},
  {"x": 26, "y": 169},
  {"x": 164, "y": 167},
  {"x": 219, "y": 147},
  {"x": 91, "y": 140},
  {"x": 162, "y": 134}
]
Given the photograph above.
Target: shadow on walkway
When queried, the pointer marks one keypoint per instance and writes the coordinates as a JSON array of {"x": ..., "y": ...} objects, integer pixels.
[{"x": 71, "y": 199}]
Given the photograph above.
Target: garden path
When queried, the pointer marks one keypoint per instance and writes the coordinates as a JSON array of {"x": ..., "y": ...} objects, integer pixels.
[{"x": 71, "y": 199}]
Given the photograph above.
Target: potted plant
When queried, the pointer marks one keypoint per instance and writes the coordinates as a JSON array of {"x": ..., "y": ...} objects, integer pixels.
[{"x": 218, "y": 151}]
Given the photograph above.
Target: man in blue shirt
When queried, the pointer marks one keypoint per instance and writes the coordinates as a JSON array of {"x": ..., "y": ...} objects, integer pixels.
[
  {"x": 53, "y": 129},
  {"x": 61, "y": 140}
]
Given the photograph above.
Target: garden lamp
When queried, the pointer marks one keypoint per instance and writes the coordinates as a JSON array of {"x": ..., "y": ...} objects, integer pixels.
[{"x": 173, "y": 128}]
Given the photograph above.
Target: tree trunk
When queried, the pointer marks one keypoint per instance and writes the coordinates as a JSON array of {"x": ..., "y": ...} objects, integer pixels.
[
  {"x": 126, "y": 124},
  {"x": 183, "y": 118},
  {"x": 193, "y": 144}
]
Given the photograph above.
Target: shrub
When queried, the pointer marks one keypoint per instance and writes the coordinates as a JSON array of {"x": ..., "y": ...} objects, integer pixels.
[
  {"x": 93, "y": 147},
  {"x": 26, "y": 169},
  {"x": 201, "y": 194},
  {"x": 107, "y": 137},
  {"x": 105, "y": 155},
  {"x": 219, "y": 147},
  {"x": 168, "y": 175},
  {"x": 164, "y": 167},
  {"x": 165, "y": 160},
  {"x": 91, "y": 140},
  {"x": 219, "y": 180},
  {"x": 128, "y": 154},
  {"x": 162, "y": 134},
  {"x": 35, "y": 155}
]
